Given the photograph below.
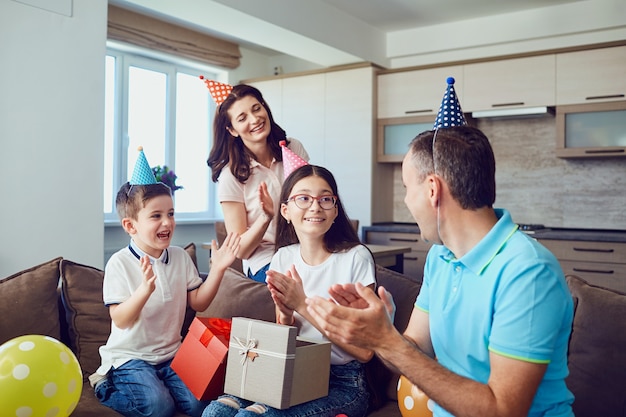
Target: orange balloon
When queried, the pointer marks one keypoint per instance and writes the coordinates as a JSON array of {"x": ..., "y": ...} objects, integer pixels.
[{"x": 412, "y": 401}]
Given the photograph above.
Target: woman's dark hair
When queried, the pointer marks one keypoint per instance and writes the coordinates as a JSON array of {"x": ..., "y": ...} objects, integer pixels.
[
  {"x": 228, "y": 149},
  {"x": 341, "y": 235},
  {"x": 463, "y": 157}
]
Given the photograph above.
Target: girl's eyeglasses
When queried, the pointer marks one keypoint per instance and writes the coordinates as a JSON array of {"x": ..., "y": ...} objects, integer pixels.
[{"x": 305, "y": 201}]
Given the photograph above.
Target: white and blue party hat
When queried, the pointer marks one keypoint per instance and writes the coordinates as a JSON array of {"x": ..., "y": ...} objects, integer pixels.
[
  {"x": 142, "y": 174},
  {"x": 450, "y": 113}
]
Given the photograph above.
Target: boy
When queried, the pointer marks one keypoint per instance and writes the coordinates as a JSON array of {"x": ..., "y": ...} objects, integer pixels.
[{"x": 147, "y": 286}]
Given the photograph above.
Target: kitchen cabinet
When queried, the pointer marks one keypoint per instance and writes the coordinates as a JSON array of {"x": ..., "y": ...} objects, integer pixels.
[
  {"x": 509, "y": 83},
  {"x": 591, "y": 130},
  {"x": 332, "y": 113},
  {"x": 591, "y": 76},
  {"x": 414, "y": 260},
  {"x": 395, "y": 134},
  {"x": 599, "y": 263},
  {"x": 416, "y": 93}
]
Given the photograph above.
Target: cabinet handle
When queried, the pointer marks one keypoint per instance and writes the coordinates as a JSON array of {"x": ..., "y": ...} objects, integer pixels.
[
  {"x": 398, "y": 239},
  {"x": 410, "y": 258},
  {"x": 519, "y": 103},
  {"x": 418, "y": 111},
  {"x": 604, "y": 151},
  {"x": 593, "y": 250},
  {"x": 593, "y": 271},
  {"x": 604, "y": 97}
]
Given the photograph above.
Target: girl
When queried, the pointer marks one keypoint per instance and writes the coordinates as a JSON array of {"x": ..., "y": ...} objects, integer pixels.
[
  {"x": 316, "y": 248},
  {"x": 246, "y": 162}
]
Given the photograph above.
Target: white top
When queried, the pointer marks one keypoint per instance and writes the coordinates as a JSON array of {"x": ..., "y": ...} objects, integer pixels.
[
  {"x": 352, "y": 266},
  {"x": 155, "y": 337},
  {"x": 230, "y": 189}
]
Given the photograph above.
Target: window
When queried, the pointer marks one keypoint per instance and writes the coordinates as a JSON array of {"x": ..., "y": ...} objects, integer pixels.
[{"x": 164, "y": 107}]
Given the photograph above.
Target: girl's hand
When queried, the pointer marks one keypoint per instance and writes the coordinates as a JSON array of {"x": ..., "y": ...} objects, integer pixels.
[
  {"x": 265, "y": 200},
  {"x": 286, "y": 290},
  {"x": 149, "y": 278},
  {"x": 223, "y": 257}
]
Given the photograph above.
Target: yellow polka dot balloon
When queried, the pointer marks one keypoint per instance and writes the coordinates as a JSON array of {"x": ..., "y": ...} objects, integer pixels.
[
  {"x": 412, "y": 401},
  {"x": 39, "y": 376}
]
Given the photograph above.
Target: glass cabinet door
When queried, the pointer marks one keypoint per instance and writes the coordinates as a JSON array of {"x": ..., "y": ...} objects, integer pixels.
[{"x": 395, "y": 134}]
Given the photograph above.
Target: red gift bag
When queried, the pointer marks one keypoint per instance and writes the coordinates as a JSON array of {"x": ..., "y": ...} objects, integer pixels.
[{"x": 201, "y": 359}]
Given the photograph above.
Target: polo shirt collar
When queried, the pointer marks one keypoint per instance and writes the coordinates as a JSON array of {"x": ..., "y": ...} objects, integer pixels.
[
  {"x": 138, "y": 253},
  {"x": 481, "y": 255}
]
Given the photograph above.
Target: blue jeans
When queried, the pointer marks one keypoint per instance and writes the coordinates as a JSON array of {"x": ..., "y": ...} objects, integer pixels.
[
  {"x": 260, "y": 274},
  {"x": 138, "y": 389},
  {"x": 347, "y": 394}
]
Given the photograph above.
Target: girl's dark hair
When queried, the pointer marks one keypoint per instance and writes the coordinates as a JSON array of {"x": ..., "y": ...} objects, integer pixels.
[
  {"x": 341, "y": 235},
  {"x": 132, "y": 198},
  {"x": 228, "y": 149}
]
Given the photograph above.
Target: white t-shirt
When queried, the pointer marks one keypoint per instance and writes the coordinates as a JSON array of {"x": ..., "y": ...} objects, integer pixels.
[
  {"x": 155, "y": 337},
  {"x": 230, "y": 189},
  {"x": 352, "y": 266}
]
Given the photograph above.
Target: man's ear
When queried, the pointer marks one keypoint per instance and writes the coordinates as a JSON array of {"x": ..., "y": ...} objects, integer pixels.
[
  {"x": 435, "y": 189},
  {"x": 129, "y": 225}
]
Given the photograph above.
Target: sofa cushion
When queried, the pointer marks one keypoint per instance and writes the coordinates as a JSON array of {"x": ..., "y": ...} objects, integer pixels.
[
  {"x": 29, "y": 302},
  {"x": 88, "y": 319},
  {"x": 382, "y": 381},
  {"x": 191, "y": 251},
  {"x": 239, "y": 296},
  {"x": 597, "y": 350}
]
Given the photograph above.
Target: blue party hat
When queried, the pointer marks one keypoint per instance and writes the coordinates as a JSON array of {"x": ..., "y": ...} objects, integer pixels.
[
  {"x": 142, "y": 174},
  {"x": 450, "y": 113}
]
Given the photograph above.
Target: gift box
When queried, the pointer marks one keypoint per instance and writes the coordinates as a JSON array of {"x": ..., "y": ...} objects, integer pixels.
[
  {"x": 201, "y": 359},
  {"x": 269, "y": 364}
]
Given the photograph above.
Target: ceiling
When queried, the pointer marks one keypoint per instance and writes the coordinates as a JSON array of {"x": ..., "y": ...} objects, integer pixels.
[{"x": 386, "y": 32}]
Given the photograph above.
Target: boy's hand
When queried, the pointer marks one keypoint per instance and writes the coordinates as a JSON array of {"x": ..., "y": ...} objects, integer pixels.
[
  {"x": 149, "y": 278},
  {"x": 223, "y": 257}
]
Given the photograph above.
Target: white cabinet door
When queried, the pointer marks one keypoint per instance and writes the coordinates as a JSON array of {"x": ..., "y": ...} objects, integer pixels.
[
  {"x": 303, "y": 113},
  {"x": 510, "y": 83},
  {"x": 592, "y": 76},
  {"x": 349, "y": 138},
  {"x": 416, "y": 93}
]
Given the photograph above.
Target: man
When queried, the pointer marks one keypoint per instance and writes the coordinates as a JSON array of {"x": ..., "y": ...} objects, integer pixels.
[{"x": 489, "y": 331}]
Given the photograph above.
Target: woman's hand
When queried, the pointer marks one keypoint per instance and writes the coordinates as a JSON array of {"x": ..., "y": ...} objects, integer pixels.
[{"x": 265, "y": 199}]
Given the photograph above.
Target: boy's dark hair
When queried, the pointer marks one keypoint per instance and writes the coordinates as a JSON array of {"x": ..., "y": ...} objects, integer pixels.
[
  {"x": 132, "y": 198},
  {"x": 463, "y": 157},
  {"x": 341, "y": 235},
  {"x": 228, "y": 149}
]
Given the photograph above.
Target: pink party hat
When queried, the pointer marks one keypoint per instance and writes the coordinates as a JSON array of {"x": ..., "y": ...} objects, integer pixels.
[
  {"x": 218, "y": 90},
  {"x": 142, "y": 174},
  {"x": 291, "y": 161}
]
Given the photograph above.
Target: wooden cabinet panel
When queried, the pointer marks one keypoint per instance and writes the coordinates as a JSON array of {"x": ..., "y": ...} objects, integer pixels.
[
  {"x": 510, "y": 83},
  {"x": 591, "y": 76},
  {"x": 599, "y": 263},
  {"x": 414, "y": 260},
  {"x": 416, "y": 93}
]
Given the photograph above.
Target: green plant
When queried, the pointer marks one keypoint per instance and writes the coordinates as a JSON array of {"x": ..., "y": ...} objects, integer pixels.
[{"x": 166, "y": 176}]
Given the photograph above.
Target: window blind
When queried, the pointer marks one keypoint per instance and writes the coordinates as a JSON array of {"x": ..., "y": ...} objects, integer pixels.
[{"x": 148, "y": 32}]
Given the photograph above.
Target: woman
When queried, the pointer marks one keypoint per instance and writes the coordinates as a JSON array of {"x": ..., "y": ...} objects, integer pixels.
[{"x": 246, "y": 162}]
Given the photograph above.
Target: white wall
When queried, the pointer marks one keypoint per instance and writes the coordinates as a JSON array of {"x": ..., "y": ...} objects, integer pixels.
[{"x": 51, "y": 132}]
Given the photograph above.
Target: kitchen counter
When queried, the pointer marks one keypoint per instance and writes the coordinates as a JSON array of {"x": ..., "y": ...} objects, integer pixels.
[{"x": 591, "y": 235}]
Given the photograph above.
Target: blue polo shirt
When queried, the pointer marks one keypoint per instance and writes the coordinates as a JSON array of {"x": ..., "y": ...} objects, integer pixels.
[{"x": 507, "y": 295}]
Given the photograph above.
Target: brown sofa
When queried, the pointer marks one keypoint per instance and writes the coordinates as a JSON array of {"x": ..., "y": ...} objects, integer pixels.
[{"x": 33, "y": 302}]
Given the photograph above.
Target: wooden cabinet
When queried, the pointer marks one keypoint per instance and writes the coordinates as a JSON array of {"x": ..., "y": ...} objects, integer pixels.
[
  {"x": 599, "y": 263},
  {"x": 395, "y": 134},
  {"x": 416, "y": 93},
  {"x": 591, "y": 130},
  {"x": 510, "y": 83},
  {"x": 591, "y": 76},
  {"x": 414, "y": 260}
]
